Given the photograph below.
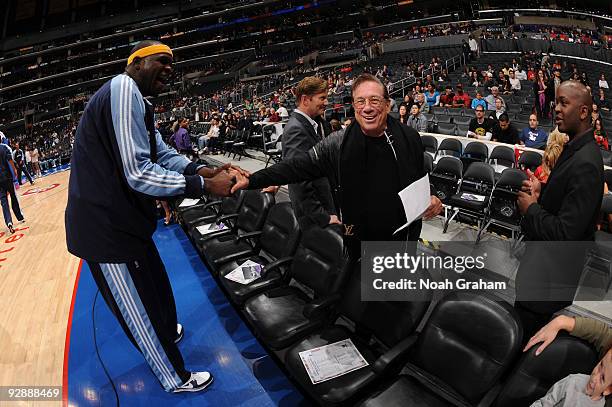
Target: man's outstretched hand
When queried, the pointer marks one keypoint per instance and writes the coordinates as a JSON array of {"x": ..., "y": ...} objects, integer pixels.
[{"x": 228, "y": 167}]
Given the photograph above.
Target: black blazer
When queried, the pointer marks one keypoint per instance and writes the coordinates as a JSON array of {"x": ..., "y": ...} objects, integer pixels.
[
  {"x": 311, "y": 200},
  {"x": 571, "y": 199}
]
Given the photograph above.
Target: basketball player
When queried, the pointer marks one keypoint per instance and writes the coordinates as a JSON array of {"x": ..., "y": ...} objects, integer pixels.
[{"x": 120, "y": 165}]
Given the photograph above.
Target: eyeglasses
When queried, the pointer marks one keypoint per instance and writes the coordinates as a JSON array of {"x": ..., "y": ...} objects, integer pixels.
[{"x": 375, "y": 101}]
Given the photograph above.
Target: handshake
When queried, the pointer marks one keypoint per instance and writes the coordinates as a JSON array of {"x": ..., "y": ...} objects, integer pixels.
[{"x": 224, "y": 180}]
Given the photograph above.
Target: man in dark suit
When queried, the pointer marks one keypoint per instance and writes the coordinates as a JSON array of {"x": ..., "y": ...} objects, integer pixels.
[
  {"x": 312, "y": 200},
  {"x": 564, "y": 212}
]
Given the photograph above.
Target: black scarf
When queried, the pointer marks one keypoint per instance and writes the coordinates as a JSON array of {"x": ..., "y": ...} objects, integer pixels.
[{"x": 353, "y": 173}]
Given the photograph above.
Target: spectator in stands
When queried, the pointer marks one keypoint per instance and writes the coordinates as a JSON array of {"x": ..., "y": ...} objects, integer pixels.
[
  {"x": 602, "y": 101},
  {"x": 403, "y": 114},
  {"x": 419, "y": 100},
  {"x": 408, "y": 100},
  {"x": 504, "y": 83},
  {"x": 245, "y": 123},
  {"x": 461, "y": 99},
  {"x": 35, "y": 164},
  {"x": 473, "y": 47},
  {"x": 491, "y": 98},
  {"x": 474, "y": 79},
  {"x": 465, "y": 49},
  {"x": 520, "y": 73},
  {"x": 599, "y": 385},
  {"x": 500, "y": 109},
  {"x": 515, "y": 83},
  {"x": 207, "y": 142},
  {"x": 603, "y": 83},
  {"x": 446, "y": 99},
  {"x": 282, "y": 112},
  {"x": 432, "y": 96},
  {"x": 273, "y": 116},
  {"x": 533, "y": 136},
  {"x": 601, "y": 137},
  {"x": 181, "y": 138},
  {"x": 539, "y": 91},
  {"x": 552, "y": 152},
  {"x": 479, "y": 101},
  {"x": 480, "y": 127},
  {"x": 504, "y": 131},
  {"x": 595, "y": 113},
  {"x": 556, "y": 82},
  {"x": 489, "y": 82},
  {"x": 417, "y": 120}
]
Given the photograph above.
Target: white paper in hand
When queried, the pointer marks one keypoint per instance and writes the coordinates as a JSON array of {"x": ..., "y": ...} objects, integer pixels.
[
  {"x": 333, "y": 360},
  {"x": 416, "y": 198},
  {"x": 188, "y": 202}
]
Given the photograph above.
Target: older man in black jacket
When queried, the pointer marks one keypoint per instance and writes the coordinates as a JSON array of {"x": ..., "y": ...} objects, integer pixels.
[
  {"x": 367, "y": 165},
  {"x": 312, "y": 200},
  {"x": 565, "y": 212}
]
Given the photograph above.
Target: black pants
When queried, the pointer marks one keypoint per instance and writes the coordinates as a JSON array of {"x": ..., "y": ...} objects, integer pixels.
[
  {"x": 22, "y": 168},
  {"x": 6, "y": 186},
  {"x": 140, "y": 296}
]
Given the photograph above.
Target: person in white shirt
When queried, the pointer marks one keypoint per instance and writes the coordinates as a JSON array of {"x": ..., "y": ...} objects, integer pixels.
[
  {"x": 205, "y": 142},
  {"x": 602, "y": 81},
  {"x": 282, "y": 112},
  {"x": 521, "y": 75},
  {"x": 473, "y": 47},
  {"x": 35, "y": 164},
  {"x": 514, "y": 82}
]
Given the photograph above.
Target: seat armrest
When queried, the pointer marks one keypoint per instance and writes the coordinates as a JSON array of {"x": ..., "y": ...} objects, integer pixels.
[
  {"x": 234, "y": 256},
  {"x": 211, "y": 204},
  {"x": 394, "y": 357},
  {"x": 276, "y": 264},
  {"x": 247, "y": 235},
  {"x": 226, "y": 217},
  {"x": 318, "y": 307}
]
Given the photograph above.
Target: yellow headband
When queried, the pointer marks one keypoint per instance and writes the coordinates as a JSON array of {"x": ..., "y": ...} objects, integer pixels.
[{"x": 150, "y": 50}]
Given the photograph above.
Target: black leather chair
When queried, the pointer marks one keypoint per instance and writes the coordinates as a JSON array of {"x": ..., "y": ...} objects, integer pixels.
[
  {"x": 427, "y": 162},
  {"x": 529, "y": 160},
  {"x": 450, "y": 129},
  {"x": 439, "y": 110},
  {"x": 475, "y": 151},
  {"x": 477, "y": 182},
  {"x": 208, "y": 213},
  {"x": 449, "y": 146},
  {"x": 462, "y": 129},
  {"x": 430, "y": 143},
  {"x": 285, "y": 314},
  {"x": 463, "y": 120},
  {"x": 383, "y": 333},
  {"x": 457, "y": 361},
  {"x": 446, "y": 176},
  {"x": 455, "y": 112},
  {"x": 503, "y": 210},
  {"x": 502, "y": 156},
  {"x": 534, "y": 375},
  {"x": 273, "y": 250},
  {"x": 250, "y": 218}
]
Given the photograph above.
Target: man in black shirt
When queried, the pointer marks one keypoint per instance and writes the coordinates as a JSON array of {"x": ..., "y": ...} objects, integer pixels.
[
  {"x": 481, "y": 126},
  {"x": 6, "y": 186},
  {"x": 504, "y": 131},
  {"x": 367, "y": 165}
]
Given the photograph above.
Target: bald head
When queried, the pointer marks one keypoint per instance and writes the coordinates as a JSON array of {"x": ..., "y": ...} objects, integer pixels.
[{"x": 573, "y": 108}]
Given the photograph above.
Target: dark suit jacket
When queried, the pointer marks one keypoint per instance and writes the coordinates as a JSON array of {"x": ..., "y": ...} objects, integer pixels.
[
  {"x": 570, "y": 202},
  {"x": 312, "y": 200}
]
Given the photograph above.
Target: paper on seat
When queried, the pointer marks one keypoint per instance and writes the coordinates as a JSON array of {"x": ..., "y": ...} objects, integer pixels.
[
  {"x": 211, "y": 227},
  {"x": 246, "y": 273},
  {"x": 333, "y": 360},
  {"x": 416, "y": 198},
  {"x": 472, "y": 197},
  {"x": 188, "y": 202}
]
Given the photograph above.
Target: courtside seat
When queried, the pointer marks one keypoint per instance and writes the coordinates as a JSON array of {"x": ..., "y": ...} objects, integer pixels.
[
  {"x": 210, "y": 212},
  {"x": 287, "y": 313}
]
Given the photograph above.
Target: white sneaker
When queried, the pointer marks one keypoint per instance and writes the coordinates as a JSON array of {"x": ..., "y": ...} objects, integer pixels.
[
  {"x": 179, "y": 333},
  {"x": 197, "y": 382}
]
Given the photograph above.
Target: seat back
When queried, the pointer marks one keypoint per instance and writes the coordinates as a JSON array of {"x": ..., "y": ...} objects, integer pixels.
[
  {"x": 462, "y": 120},
  {"x": 427, "y": 162},
  {"x": 534, "y": 375},
  {"x": 530, "y": 160},
  {"x": 318, "y": 260},
  {"x": 254, "y": 210},
  {"x": 476, "y": 151},
  {"x": 502, "y": 155},
  {"x": 280, "y": 232},
  {"x": 469, "y": 342},
  {"x": 387, "y": 321},
  {"x": 450, "y": 146},
  {"x": 430, "y": 143},
  {"x": 438, "y": 110},
  {"x": 479, "y": 178},
  {"x": 445, "y": 177},
  {"x": 503, "y": 200},
  {"x": 231, "y": 204}
]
